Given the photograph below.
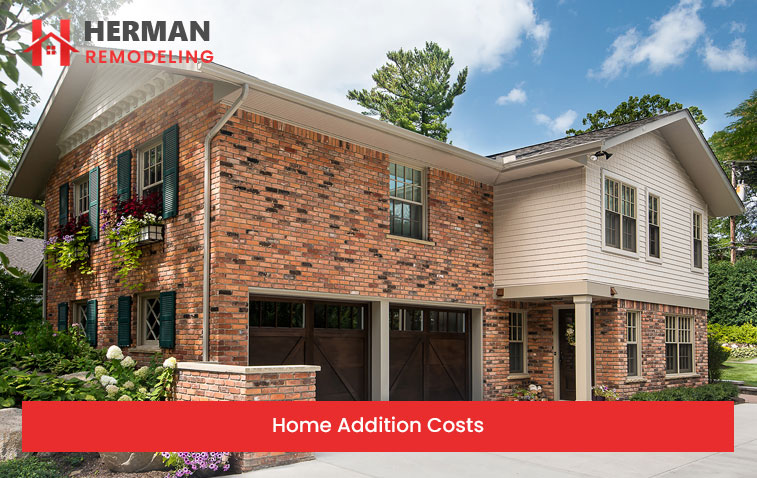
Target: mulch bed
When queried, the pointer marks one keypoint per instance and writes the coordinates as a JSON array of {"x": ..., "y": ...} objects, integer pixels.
[{"x": 89, "y": 465}]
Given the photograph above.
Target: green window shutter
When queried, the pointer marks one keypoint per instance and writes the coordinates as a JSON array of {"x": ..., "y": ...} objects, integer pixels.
[
  {"x": 167, "y": 319},
  {"x": 63, "y": 201},
  {"x": 123, "y": 173},
  {"x": 171, "y": 171},
  {"x": 124, "y": 321},
  {"x": 62, "y": 316},
  {"x": 92, "y": 322},
  {"x": 94, "y": 204}
]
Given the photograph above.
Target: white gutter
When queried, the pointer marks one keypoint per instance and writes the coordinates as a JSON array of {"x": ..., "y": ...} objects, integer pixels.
[
  {"x": 44, "y": 265},
  {"x": 206, "y": 223}
]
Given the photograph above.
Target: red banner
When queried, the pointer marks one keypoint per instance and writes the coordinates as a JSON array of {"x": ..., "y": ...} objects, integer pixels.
[{"x": 378, "y": 426}]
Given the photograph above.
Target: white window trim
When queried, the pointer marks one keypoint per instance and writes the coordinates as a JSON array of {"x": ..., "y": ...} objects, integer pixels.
[
  {"x": 690, "y": 222},
  {"x": 424, "y": 202},
  {"x": 78, "y": 181},
  {"x": 650, "y": 258},
  {"x": 525, "y": 373},
  {"x": 693, "y": 337},
  {"x": 141, "y": 324},
  {"x": 639, "y": 371},
  {"x": 75, "y": 307},
  {"x": 139, "y": 168},
  {"x": 620, "y": 251}
]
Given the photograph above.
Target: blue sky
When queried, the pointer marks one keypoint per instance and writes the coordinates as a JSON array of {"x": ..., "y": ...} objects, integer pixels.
[{"x": 537, "y": 67}]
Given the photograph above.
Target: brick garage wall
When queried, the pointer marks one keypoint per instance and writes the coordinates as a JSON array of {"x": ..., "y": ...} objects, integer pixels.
[
  {"x": 204, "y": 381},
  {"x": 173, "y": 264}
]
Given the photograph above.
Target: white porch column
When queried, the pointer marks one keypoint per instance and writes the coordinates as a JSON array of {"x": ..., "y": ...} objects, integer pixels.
[
  {"x": 477, "y": 354},
  {"x": 380, "y": 350},
  {"x": 583, "y": 347}
]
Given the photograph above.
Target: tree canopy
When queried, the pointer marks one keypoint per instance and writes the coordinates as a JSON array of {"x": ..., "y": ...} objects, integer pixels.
[
  {"x": 633, "y": 110},
  {"x": 413, "y": 90}
]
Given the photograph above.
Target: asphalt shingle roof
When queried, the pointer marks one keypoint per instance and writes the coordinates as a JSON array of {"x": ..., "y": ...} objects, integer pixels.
[
  {"x": 24, "y": 253},
  {"x": 577, "y": 140}
]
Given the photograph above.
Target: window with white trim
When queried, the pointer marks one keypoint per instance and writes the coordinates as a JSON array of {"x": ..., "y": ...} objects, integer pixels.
[
  {"x": 79, "y": 316},
  {"x": 653, "y": 205},
  {"x": 620, "y": 215},
  {"x": 150, "y": 168},
  {"x": 679, "y": 344},
  {"x": 81, "y": 196},
  {"x": 406, "y": 201},
  {"x": 633, "y": 343},
  {"x": 148, "y": 324},
  {"x": 696, "y": 240},
  {"x": 517, "y": 342}
]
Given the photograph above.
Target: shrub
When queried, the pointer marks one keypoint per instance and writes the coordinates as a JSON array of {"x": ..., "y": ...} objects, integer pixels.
[
  {"x": 716, "y": 356},
  {"x": 733, "y": 292},
  {"x": 31, "y": 467},
  {"x": 122, "y": 380},
  {"x": 746, "y": 352},
  {"x": 20, "y": 302},
  {"x": 740, "y": 334},
  {"x": 720, "y": 391}
]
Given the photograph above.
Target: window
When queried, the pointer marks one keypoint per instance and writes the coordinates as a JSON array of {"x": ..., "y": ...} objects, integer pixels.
[
  {"x": 406, "y": 201},
  {"x": 517, "y": 342},
  {"x": 280, "y": 314},
  {"x": 148, "y": 326},
  {"x": 653, "y": 204},
  {"x": 80, "y": 315},
  {"x": 446, "y": 321},
  {"x": 150, "y": 168},
  {"x": 679, "y": 345},
  {"x": 338, "y": 316},
  {"x": 633, "y": 350},
  {"x": 697, "y": 240},
  {"x": 410, "y": 319},
  {"x": 406, "y": 319},
  {"x": 620, "y": 215},
  {"x": 81, "y": 196}
]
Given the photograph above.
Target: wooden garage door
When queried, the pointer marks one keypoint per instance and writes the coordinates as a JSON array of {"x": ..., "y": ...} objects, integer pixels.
[
  {"x": 332, "y": 335},
  {"x": 429, "y": 354}
]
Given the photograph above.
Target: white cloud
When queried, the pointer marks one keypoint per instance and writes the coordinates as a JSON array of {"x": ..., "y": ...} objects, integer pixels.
[
  {"x": 722, "y": 3},
  {"x": 670, "y": 39},
  {"x": 516, "y": 95},
  {"x": 734, "y": 58},
  {"x": 327, "y": 47},
  {"x": 737, "y": 27},
  {"x": 559, "y": 125}
]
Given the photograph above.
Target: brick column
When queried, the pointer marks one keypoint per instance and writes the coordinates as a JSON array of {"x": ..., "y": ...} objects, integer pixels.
[{"x": 199, "y": 381}]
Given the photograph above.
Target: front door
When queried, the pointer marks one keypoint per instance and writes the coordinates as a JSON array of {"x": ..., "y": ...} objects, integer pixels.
[{"x": 566, "y": 339}]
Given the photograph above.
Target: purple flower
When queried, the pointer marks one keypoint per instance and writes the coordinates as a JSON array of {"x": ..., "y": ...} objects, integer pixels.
[
  {"x": 68, "y": 238},
  {"x": 55, "y": 334},
  {"x": 226, "y": 467},
  {"x": 17, "y": 332}
]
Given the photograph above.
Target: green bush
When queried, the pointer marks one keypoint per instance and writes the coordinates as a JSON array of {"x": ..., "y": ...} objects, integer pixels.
[
  {"x": 733, "y": 292},
  {"x": 31, "y": 467},
  {"x": 716, "y": 356},
  {"x": 20, "y": 302},
  {"x": 720, "y": 391},
  {"x": 740, "y": 334}
]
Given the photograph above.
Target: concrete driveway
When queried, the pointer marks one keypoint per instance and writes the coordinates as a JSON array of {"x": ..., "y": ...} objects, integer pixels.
[{"x": 741, "y": 463}]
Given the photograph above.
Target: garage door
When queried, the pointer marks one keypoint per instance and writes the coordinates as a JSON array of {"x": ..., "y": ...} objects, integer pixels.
[
  {"x": 429, "y": 354},
  {"x": 332, "y": 335}
]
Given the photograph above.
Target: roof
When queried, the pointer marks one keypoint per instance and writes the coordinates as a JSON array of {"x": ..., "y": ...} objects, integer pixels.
[
  {"x": 579, "y": 139},
  {"x": 24, "y": 253}
]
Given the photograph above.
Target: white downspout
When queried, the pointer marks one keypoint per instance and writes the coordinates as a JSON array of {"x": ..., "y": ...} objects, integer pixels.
[
  {"x": 44, "y": 266},
  {"x": 206, "y": 223}
]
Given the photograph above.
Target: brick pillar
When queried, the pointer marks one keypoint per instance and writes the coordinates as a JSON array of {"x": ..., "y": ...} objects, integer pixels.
[{"x": 199, "y": 381}]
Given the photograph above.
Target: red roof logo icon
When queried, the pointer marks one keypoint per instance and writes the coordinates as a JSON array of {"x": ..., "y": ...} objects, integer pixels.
[{"x": 63, "y": 39}]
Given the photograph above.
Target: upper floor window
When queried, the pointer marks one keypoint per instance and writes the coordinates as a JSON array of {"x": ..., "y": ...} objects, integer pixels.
[
  {"x": 697, "y": 239},
  {"x": 517, "y": 347},
  {"x": 150, "y": 168},
  {"x": 620, "y": 215},
  {"x": 406, "y": 201},
  {"x": 654, "y": 225},
  {"x": 81, "y": 196}
]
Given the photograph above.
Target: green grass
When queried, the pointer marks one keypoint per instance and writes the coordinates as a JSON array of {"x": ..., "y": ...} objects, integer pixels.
[{"x": 745, "y": 372}]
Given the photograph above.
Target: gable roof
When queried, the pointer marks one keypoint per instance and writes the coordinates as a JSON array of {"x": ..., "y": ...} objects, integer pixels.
[{"x": 24, "y": 253}]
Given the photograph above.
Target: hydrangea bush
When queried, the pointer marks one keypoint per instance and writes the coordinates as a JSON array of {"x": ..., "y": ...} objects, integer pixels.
[
  {"x": 123, "y": 381},
  {"x": 186, "y": 463}
]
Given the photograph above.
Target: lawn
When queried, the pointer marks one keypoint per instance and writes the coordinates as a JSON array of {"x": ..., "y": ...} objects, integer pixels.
[{"x": 745, "y": 372}]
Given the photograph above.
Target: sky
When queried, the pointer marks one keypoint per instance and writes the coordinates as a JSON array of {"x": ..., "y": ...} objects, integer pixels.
[{"x": 536, "y": 66}]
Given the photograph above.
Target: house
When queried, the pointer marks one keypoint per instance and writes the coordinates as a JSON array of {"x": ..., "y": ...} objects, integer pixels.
[
  {"x": 298, "y": 232},
  {"x": 25, "y": 254}
]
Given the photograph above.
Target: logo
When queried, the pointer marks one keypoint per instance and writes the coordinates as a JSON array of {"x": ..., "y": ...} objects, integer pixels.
[{"x": 63, "y": 38}]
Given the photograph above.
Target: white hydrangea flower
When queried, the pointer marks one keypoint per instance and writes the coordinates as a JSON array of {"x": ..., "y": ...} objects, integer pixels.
[
  {"x": 532, "y": 387},
  {"x": 124, "y": 398},
  {"x": 128, "y": 362},
  {"x": 142, "y": 390},
  {"x": 114, "y": 353},
  {"x": 159, "y": 368},
  {"x": 112, "y": 389},
  {"x": 170, "y": 362},
  {"x": 128, "y": 385},
  {"x": 142, "y": 372},
  {"x": 100, "y": 371},
  {"x": 106, "y": 380}
]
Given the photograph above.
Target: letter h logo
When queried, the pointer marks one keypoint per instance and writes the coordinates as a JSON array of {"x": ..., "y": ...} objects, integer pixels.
[{"x": 38, "y": 38}]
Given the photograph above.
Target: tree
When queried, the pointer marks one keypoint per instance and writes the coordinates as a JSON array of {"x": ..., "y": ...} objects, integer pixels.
[
  {"x": 413, "y": 90},
  {"x": 633, "y": 110}
]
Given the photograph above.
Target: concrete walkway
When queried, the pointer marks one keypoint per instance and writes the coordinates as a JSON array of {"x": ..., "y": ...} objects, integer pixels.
[{"x": 741, "y": 463}]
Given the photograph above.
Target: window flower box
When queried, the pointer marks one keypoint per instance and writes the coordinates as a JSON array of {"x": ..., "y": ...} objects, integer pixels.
[{"x": 150, "y": 234}]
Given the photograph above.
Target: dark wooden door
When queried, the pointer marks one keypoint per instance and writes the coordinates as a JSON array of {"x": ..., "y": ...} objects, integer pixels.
[
  {"x": 429, "y": 354},
  {"x": 329, "y": 334},
  {"x": 566, "y": 320}
]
